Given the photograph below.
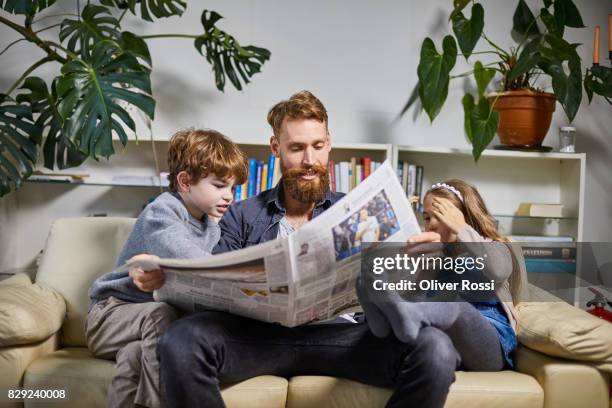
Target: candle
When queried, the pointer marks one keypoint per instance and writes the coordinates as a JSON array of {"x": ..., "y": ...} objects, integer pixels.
[
  {"x": 596, "y": 47},
  {"x": 610, "y": 34}
]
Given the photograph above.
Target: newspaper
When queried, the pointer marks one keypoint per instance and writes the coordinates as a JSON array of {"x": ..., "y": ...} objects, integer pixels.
[{"x": 305, "y": 277}]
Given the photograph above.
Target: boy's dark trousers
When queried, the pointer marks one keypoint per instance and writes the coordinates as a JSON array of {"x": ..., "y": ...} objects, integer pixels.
[{"x": 199, "y": 352}]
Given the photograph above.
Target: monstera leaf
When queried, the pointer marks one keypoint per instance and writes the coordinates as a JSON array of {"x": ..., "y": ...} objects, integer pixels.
[
  {"x": 226, "y": 55},
  {"x": 434, "y": 74},
  {"x": 96, "y": 24},
  {"x": 132, "y": 43},
  {"x": 93, "y": 94},
  {"x": 57, "y": 149},
  {"x": 19, "y": 137},
  {"x": 28, "y": 7},
  {"x": 157, "y": 8}
]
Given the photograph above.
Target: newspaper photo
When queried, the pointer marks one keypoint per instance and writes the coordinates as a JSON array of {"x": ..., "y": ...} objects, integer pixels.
[{"x": 305, "y": 277}]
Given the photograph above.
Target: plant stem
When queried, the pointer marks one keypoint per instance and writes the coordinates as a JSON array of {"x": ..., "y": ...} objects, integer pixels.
[
  {"x": 478, "y": 52},
  {"x": 472, "y": 71},
  {"x": 11, "y": 44},
  {"x": 54, "y": 15},
  {"x": 145, "y": 37},
  {"x": 67, "y": 51},
  {"x": 32, "y": 37},
  {"x": 121, "y": 17},
  {"x": 47, "y": 28},
  {"x": 504, "y": 53},
  {"x": 29, "y": 71}
]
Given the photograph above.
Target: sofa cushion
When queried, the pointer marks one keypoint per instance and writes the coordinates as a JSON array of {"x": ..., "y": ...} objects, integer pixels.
[
  {"x": 565, "y": 383},
  {"x": 78, "y": 250},
  {"x": 15, "y": 359},
  {"x": 87, "y": 380},
  {"x": 28, "y": 313},
  {"x": 500, "y": 389},
  {"x": 561, "y": 330}
]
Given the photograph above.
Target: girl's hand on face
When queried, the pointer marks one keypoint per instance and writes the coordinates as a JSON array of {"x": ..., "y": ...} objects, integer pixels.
[{"x": 448, "y": 214}]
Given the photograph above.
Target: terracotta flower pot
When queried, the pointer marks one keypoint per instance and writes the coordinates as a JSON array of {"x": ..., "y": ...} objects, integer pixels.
[{"x": 524, "y": 116}]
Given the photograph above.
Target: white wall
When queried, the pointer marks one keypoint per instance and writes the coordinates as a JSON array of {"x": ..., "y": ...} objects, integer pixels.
[{"x": 360, "y": 58}]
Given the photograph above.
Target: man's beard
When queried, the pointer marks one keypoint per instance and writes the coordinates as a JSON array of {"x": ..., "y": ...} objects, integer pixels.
[{"x": 306, "y": 191}]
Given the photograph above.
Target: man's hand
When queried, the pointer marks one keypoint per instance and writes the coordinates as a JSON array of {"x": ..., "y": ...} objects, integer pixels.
[
  {"x": 147, "y": 281},
  {"x": 428, "y": 236},
  {"x": 425, "y": 243}
]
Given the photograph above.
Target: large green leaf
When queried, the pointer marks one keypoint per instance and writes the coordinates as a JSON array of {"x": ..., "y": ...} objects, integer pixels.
[
  {"x": 92, "y": 93},
  {"x": 19, "y": 137},
  {"x": 480, "y": 123},
  {"x": 567, "y": 87},
  {"x": 559, "y": 48},
  {"x": 566, "y": 83},
  {"x": 29, "y": 7},
  {"x": 598, "y": 80},
  {"x": 132, "y": 43},
  {"x": 150, "y": 8},
  {"x": 468, "y": 32},
  {"x": 57, "y": 148},
  {"x": 434, "y": 74},
  {"x": 530, "y": 55},
  {"x": 524, "y": 21},
  {"x": 551, "y": 23},
  {"x": 226, "y": 55},
  {"x": 96, "y": 24},
  {"x": 567, "y": 14},
  {"x": 483, "y": 77},
  {"x": 458, "y": 6}
]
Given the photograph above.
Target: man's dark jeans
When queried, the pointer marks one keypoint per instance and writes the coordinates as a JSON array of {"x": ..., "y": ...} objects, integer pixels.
[{"x": 200, "y": 351}]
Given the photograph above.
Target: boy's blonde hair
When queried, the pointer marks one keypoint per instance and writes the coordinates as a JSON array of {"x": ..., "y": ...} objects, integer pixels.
[
  {"x": 302, "y": 105},
  {"x": 201, "y": 152}
]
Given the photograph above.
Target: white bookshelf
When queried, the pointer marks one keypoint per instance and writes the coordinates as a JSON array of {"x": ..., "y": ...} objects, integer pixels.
[
  {"x": 28, "y": 213},
  {"x": 137, "y": 160},
  {"x": 507, "y": 178}
]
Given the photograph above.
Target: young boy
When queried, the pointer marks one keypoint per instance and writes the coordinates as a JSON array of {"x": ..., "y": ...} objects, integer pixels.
[{"x": 124, "y": 322}]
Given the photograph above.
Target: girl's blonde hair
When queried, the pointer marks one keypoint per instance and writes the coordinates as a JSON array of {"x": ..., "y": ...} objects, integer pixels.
[
  {"x": 478, "y": 217},
  {"x": 473, "y": 208}
]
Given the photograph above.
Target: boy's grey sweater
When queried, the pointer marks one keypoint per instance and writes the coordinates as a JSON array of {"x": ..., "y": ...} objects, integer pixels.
[{"x": 166, "y": 229}]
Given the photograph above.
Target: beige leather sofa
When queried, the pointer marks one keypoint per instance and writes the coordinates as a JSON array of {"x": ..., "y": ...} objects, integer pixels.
[{"x": 42, "y": 343}]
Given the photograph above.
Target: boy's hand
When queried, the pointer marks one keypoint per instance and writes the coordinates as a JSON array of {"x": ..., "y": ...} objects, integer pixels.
[{"x": 147, "y": 281}]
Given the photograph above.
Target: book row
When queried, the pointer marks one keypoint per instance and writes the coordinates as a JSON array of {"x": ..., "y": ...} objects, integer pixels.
[{"x": 343, "y": 176}]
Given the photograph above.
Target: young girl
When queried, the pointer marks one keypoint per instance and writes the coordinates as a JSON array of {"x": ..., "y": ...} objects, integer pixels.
[{"x": 454, "y": 212}]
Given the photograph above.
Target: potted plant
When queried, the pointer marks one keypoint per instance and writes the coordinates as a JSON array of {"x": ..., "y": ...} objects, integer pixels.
[
  {"x": 519, "y": 111},
  {"x": 103, "y": 72}
]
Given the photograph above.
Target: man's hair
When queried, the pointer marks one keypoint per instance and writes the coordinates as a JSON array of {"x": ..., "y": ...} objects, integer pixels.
[
  {"x": 302, "y": 105},
  {"x": 203, "y": 152}
]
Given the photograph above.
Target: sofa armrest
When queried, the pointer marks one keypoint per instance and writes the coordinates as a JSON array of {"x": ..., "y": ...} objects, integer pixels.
[
  {"x": 29, "y": 313},
  {"x": 565, "y": 383}
]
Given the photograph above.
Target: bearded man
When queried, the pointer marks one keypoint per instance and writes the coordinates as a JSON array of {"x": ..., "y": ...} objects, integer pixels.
[
  {"x": 302, "y": 143},
  {"x": 199, "y": 352}
]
